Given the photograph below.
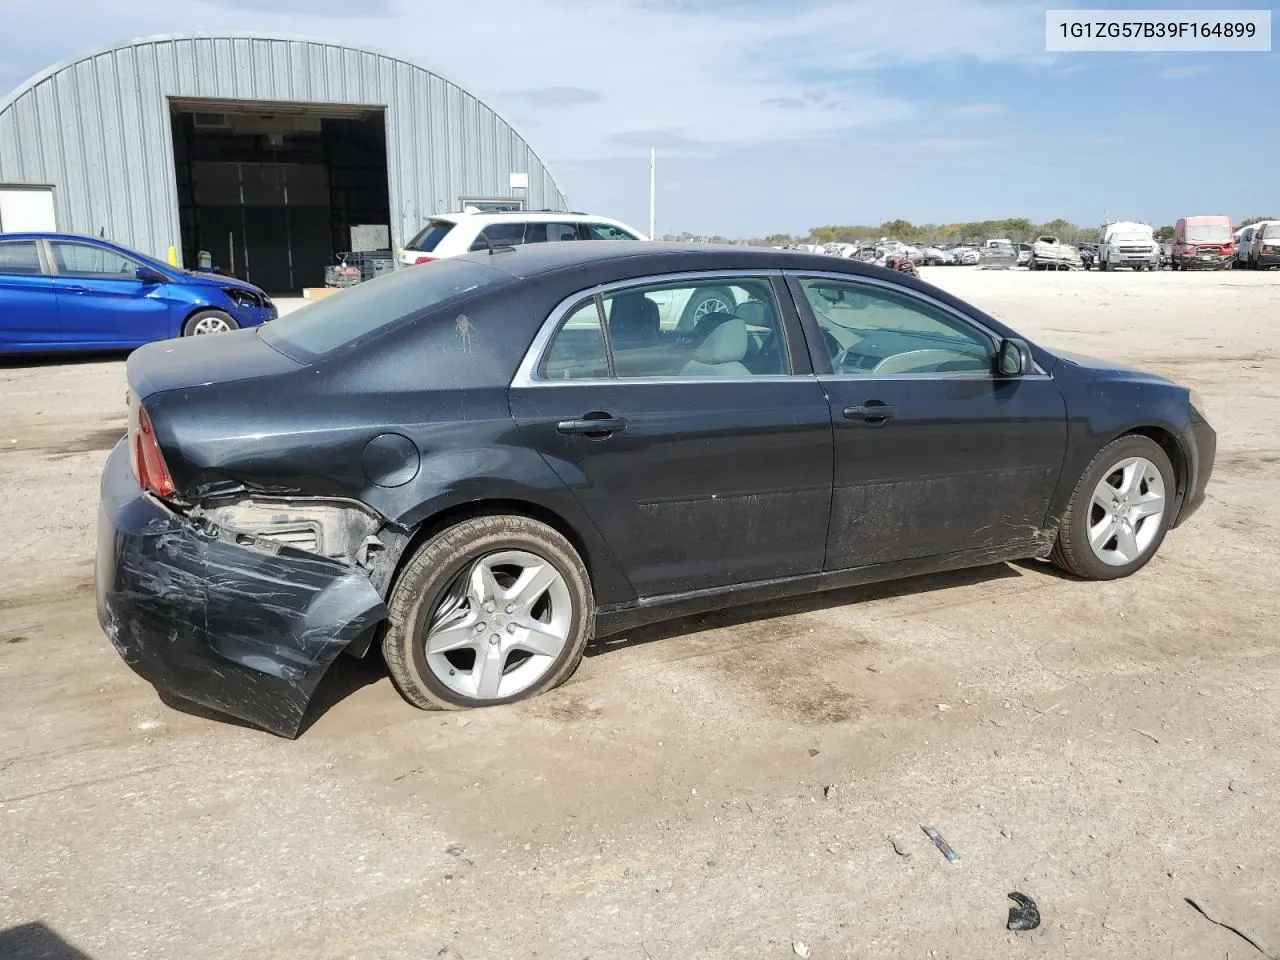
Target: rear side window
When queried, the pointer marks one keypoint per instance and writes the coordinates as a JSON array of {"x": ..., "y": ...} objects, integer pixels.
[
  {"x": 430, "y": 237},
  {"x": 550, "y": 232},
  {"x": 499, "y": 235},
  {"x": 376, "y": 305},
  {"x": 607, "y": 231},
  {"x": 19, "y": 257}
]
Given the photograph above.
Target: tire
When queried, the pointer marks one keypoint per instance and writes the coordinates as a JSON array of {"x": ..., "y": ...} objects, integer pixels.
[
  {"x": 704, "y": 300},
  {"x": 430, "y": 580},
  {"x": 1173, "y": 265},
  {"x": 1104, "y": 266},
  {"x": 1073, "y": 551},
  {"x": 203, "y": 322}
]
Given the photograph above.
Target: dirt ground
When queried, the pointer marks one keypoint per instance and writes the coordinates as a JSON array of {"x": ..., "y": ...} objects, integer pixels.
[{"x": 717, "y": 787}]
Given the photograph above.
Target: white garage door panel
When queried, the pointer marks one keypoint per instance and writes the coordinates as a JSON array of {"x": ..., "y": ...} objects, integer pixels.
[{"x": 26, "y": 210}]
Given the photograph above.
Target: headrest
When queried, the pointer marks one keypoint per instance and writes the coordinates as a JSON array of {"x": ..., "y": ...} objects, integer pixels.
[{"x": 727, "y": 343}]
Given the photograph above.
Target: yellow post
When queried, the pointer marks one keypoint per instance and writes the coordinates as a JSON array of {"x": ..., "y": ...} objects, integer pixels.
[{"x": 173, "y": 256}]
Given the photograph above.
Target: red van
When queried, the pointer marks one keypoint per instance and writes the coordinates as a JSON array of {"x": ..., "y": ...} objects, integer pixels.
[{"x": 1203, "y": 242}]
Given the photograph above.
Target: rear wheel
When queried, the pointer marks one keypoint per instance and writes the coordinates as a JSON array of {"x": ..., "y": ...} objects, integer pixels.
[
  {"x": 705, "y": 301},
  {"x": 1119, "y": 512},
  {"x": 488, "y": 611},
  {"x": 209, "y": 321}
]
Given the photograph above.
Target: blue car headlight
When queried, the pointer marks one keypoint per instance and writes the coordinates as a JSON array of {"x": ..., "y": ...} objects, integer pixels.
[{"x": 243, "y": 298}]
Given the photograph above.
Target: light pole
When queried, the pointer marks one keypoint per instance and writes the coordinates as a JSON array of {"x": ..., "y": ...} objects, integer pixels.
[{"x": 653, "y": 172}]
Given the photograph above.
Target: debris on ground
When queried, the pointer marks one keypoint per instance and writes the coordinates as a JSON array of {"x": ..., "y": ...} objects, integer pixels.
[
  {"x": 455, "y": 849},
  {"x": 828, "y": 791},
  {"x": 1151, "y": 737},
  {"x": 1024, "y": 916},
  {"x": 936, "y": 837},
  {"x": 813, "y": 751},
  {"x": 801, "y": 949},
  {"x": 899, "y": 847},
  {"x": 1212, "y": 917}
]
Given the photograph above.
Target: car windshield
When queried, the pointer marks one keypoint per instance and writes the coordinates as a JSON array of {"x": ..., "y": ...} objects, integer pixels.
[
  {"x": 1209, "y": 232},
  {"x": 1271, "y": 231},
  {"x": 430, "y": 236},
  {"x": 342, "y": 319}
]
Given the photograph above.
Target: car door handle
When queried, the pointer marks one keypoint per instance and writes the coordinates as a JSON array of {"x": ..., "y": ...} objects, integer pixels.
[
  {"x": 75, "y": 289},
  {"x": 870, "y": 412},
  {"x": 593, "y": 426}
]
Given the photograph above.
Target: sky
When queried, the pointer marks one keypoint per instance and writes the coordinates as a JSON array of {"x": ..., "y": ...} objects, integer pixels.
[{"x": 780, "y": 115}]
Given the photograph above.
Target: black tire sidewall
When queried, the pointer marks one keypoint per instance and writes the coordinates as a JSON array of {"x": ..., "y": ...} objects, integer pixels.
[
  {"x": 188, "y": 328},
  {"x": 1085, "y": 561},
  {"x": 551, "y": 547}
]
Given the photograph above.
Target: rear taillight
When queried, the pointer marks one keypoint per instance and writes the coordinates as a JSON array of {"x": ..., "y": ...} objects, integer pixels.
[
  {"x": 144, "y": 453},
  {"x": 418, "y": 260}
]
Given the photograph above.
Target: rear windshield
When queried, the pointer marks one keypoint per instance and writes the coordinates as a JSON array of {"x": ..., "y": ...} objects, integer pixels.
[
  {"x": 342, "y": 319},
  {"x": 1209, "y": 232},
  {"x": 430, "y": 236},
  {"x": 1271, "y": 231}
]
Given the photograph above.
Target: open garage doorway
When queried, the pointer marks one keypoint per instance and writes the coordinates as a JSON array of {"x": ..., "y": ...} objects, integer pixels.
[{"x": 273, "y": 192}]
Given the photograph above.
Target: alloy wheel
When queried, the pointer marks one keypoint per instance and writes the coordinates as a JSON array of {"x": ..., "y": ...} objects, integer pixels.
[
  {"x": 500, "y": 626},
  {"x": 210, "y": 325},
  {"x": 1126, "y": 511}
]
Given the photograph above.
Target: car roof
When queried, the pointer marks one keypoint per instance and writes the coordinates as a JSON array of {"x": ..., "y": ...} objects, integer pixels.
[
  {"x": 525, "y": 216},
  {"x": 45, "y": 235},
  {"x": 537, "y": 259}
]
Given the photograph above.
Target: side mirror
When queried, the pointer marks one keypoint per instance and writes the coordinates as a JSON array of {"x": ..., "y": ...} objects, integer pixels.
[
  {"x": 1014, "y": 359},
  {"x": 148, "y": 275}
]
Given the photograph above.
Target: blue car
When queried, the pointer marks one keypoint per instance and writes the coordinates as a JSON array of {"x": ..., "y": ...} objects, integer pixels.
[{"x": 65, "y": 292}]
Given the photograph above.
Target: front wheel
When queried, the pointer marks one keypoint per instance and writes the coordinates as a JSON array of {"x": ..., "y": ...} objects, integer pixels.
[
  {"x": 209, "y": 321},
  {"x": 488, "y": 611},
  {"x": 1119, "y": 512}
]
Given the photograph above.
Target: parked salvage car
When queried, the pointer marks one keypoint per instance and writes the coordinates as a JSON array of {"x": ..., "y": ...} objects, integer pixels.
[
  {"x": 1050, "y": 253},
  {"x": 1088, "y": 254},
  {"x": 480, "y": 464},
  {"x": 998, "y": 254},
  {"x": 1264, "y": 246},
  {"x": 967, "y": 256},
  {"x": 1204, "y": 242},
  {"x": 1127, "y": 243},
  {"x": 60, "y": 291},
  {"x": 1023, "y": 254}
]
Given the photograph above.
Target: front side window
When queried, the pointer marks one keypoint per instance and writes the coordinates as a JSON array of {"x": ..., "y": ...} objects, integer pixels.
[
  {"x": 550, "y": 232},
  {"x": 874, "y": 331},
  {"x": 607, "y": 231},
  {"x": 499, "y": 235},
  {"x": 19, "y": 257},
  {"x": 99, "y": 263}
]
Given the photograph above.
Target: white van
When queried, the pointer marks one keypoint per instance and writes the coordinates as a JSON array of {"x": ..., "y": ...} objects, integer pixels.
[{"x": 1125, "y": 243}]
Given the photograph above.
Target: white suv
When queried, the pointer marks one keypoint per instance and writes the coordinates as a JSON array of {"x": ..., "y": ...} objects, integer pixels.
[{"x": 453, "y": 234}]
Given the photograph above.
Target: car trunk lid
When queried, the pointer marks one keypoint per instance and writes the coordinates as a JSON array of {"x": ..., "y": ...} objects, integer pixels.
[{"x": 199, "y": 361}]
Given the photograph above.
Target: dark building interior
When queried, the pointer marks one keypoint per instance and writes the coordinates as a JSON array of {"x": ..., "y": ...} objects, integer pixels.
[{"x": 271, "y": 192}]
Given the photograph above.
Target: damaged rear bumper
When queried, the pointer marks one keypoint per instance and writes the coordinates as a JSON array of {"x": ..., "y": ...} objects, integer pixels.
[{"x": 249, "y": 632}]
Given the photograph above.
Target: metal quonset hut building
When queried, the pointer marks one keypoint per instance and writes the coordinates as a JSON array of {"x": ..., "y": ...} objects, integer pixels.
[{"x": 261, "y": 156}]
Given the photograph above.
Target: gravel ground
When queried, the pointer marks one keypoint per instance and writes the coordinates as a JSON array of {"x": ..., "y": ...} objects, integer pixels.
[{"x": 718, "y": 787}]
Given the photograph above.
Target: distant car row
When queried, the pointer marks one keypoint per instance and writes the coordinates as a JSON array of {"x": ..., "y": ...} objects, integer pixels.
[{"x": 1258, "y": 246}]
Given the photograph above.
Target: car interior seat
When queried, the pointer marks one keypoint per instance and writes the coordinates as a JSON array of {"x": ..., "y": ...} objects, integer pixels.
[{"x": 721, "y": 352}]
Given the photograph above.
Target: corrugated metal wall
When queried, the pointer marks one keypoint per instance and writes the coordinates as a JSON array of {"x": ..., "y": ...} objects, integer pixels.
[{"x": 97, "y": 128}]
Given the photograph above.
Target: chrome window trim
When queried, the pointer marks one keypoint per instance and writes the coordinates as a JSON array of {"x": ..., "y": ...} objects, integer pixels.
[
  {"x": 527, "y": 372},
  {"x": 1040, "y": 374}
]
